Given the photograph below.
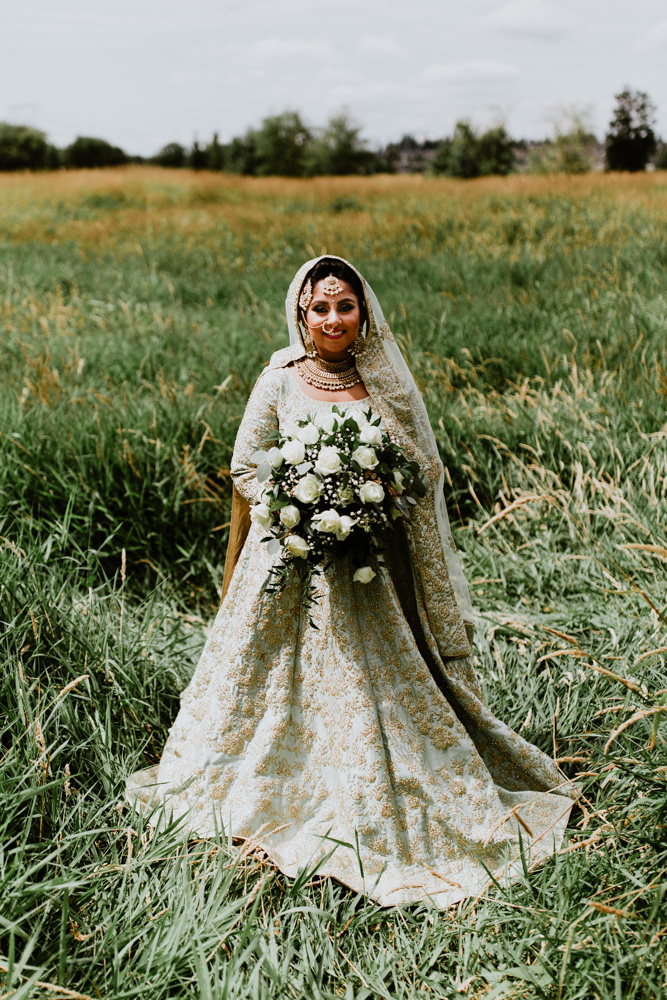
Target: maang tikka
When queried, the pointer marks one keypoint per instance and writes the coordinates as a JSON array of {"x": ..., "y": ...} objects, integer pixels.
[{"x": 331, "y": 285}]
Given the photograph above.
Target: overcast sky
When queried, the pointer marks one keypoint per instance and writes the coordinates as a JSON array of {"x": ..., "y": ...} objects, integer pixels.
[{"x": 142, "y": 73}]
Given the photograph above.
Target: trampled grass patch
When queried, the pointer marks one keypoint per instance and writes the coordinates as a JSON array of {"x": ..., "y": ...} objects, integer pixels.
[{"x": 137, "y": 308}]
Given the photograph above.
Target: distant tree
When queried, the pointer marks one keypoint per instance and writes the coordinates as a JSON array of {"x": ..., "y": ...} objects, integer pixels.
[
  {"x": 339, "y": 149},
  {"x": 241, "y": 154},
  {"x": 440, "y": 161},
  {"x": 25, "y": 148},
  {"x": 631, "y": 140},
  {"x": 573, "y": 147},
  {"x": 197, "y": 158},
  {"x": 464, "y": 152},
  {"x": 171, "y": 155},
  {"x": 470, "y": 154},
  {"x": 54, "y": 158},
  {"x": 495, "y": 151},
  {"x": 280, "y": 145},
  {"x": 215, "y": 154},
  {"x": 661, "y": 158},
  {"x": 87, "y": 151}
]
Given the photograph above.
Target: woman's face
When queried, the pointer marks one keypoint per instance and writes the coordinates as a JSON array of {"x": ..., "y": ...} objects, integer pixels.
[{"x": 333, "y": 320}]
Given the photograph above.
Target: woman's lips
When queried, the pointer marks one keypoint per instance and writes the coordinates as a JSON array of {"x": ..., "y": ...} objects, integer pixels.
[{"x": 335, "y": 334}]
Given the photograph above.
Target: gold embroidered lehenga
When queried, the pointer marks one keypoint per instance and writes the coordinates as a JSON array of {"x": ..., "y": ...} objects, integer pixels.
[{"x": 370, "y": 730}]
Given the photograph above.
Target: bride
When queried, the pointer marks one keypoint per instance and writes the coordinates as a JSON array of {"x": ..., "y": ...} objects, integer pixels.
[{"x": 363, "y": 744}]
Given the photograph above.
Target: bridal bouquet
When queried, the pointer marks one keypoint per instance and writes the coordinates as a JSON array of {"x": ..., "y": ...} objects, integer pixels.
[{"x": 331, "y": 484}]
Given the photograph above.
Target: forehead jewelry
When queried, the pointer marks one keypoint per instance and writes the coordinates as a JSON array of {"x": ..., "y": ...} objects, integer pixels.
[
  {"x": 306, "y": 295},
  {"x": 331, "y": 286}
]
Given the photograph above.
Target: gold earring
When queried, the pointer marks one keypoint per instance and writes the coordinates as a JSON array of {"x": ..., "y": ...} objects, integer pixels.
[
  {"x": 308, "y": 342},
  {"x": 359, "y": 342}
]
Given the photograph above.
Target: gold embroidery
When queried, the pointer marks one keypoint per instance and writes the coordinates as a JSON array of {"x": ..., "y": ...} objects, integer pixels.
[{"x": 344, "y": 729}]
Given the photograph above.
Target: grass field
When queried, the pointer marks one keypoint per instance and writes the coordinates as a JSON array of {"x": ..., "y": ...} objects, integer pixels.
[{"x": 137, "y": 308}]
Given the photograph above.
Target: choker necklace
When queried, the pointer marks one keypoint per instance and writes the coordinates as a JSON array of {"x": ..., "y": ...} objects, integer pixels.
[{"x": 329, "y": 375}]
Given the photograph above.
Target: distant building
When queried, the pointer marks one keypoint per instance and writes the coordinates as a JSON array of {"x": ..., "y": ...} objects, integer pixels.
[{"x": 409, "y": 156}]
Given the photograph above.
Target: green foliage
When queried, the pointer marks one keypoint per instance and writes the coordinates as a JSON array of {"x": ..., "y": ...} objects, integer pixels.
[
  {"x": 136, "y": 315},
  {"x": 470, "y": 154},
  {"x": 280, "y": 145},
  {"x": 241, "y": 154},
  {"x": 572, "y": 148},
  {"x": 197, "y": 157},
  {"x": 171, "y": 155},
  {"x": 631, "y": 140},
  {"x": 25, "y": 148},
  {"x": 661, "y": 158},
  {"x": 339, "y": 150},
  {"x": 87, "y": 151},
  {"x": 215, "y": 154}
]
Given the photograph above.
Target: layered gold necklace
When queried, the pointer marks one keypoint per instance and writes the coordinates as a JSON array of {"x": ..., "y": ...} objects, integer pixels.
[{"x": 333, "y": 376}]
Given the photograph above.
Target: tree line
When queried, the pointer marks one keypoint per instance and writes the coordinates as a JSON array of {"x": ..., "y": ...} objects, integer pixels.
[{"x": 284, "y": 145}]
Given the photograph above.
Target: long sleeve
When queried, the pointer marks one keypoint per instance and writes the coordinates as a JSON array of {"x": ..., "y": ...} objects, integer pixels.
[{"x": 259, "y": 421}]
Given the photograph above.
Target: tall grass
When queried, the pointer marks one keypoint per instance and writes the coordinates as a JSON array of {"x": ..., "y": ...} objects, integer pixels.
[{"x": 137, "y": 308}]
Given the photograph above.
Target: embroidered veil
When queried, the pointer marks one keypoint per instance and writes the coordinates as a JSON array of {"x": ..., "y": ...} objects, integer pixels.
[{"x": 440, "y": 590}]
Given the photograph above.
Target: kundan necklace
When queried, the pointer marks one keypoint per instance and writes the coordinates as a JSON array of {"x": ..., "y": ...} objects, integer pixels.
[{"x": 333, "y": 376}]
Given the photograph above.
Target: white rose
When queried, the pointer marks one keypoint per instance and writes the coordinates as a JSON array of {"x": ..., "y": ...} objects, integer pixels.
[
  {"x": 309, "y": 434},
  {"x": 328, "y": 520},
  {"x": 266, "y": 497},
  {"x": 261, "y": 515},
  {"x": 346, "y": 525},
  {"x": 364, "y": 575},
  {"x": 399, "y": 480},
  {"x": 308, "y": 489},
  {"x": 291, "y": 430},
  {"x": 297, "y": 545},
  {"x": 326, "y": 421},
  {"x": 290, "y": 516},
  {"x": 365, "y": 456},
  {"x": 371, "y": 493},
  {"x": 361, "y": 418},
  {"x": 275, "y": 457},
  {"x": 346, "y": 494},
  {"x": 328, "y": 461},
  {"x": 293, "y": 452},
  {"x": 370, "y": 434}
]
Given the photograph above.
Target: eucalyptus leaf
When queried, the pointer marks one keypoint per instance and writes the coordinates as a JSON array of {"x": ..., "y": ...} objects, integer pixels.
[
  {"x": 259, "y": 457},
  {"x": 304, "y": 468},
  {"x": 274, "y": 547},
  {"x": 263, "y": 472}
]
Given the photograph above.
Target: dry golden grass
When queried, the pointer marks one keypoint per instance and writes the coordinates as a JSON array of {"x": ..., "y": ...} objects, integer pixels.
[{"x": 194, "y": 202}]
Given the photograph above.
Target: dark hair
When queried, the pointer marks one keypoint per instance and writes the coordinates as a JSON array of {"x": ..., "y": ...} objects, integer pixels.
[{"x": 342, "y": 271}]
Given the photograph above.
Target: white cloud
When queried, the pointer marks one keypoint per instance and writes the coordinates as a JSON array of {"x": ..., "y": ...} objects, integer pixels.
[
  {"x": 654, "y": 39},
  {"x": 471, "y": 71},
  {"x": 378, "y": 45},
  {"x": 374, "y": 92},
  {"x": 532, "y": 18},
  {"x": 281, "y": 50}
]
